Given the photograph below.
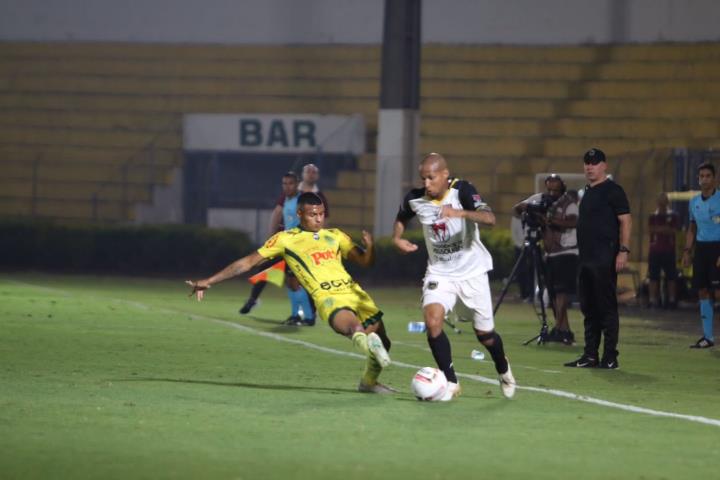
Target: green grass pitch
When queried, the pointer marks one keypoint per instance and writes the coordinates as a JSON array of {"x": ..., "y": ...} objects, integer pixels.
[{"x": 104, "y": 377}]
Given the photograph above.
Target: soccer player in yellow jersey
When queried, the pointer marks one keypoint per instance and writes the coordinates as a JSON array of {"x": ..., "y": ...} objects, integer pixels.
[{"x": 315, "y": 254}]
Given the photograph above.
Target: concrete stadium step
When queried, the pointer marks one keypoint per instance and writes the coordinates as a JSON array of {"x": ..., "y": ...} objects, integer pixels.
[
  {"x": 83, "y": 211},
  {"x": 350, "y": 197},
  {"x": 697, "y": 71},
  {"x": 83, "y": 172},
  {"x": 153, "y": 51},
  {"x": 469, "y": 145},
  {"x": 75, "y": 190},
  {"x": 184, "y": 103},
  {"x": 574, "y": 54},
  {"x": 644, "y": 89},
  {"x": 489, "y": 89},
  {"x": 103, "y": 138},
  {"x": 15, "y": 207},
  {"x": 189, "y": 68},
  {"x": 570, "y": 127},
  {"x": 352, "y": 218},
  {"x": 358, "y": 180},
  {"x": 102, "y": 156},
  {"x": 550, "y": 146},
  {"x": 139, "y": 85},
  {"x": 145, "y": 122},
  {"x": 521, "y": 182},
  {"x": 585, "y": 108},
  {"x": 487, "y": 109}
]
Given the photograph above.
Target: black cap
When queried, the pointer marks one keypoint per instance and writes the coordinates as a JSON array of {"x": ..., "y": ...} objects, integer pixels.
[{"x": 594, "y": 156}]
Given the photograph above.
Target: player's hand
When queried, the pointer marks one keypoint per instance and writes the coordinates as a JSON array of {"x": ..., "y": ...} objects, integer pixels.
[
  {"x": 405, "y": 246},
  {"x": 367, "y": 239},
  {"x": 447, "y": 211},
  {"x": 621, "y": 261},
  {"x": 198, "y": 288},
  {"x": 686, "y": 260}
]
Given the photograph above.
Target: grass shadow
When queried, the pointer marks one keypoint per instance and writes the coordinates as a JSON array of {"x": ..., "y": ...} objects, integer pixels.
[{"x": 258, "y": 386}]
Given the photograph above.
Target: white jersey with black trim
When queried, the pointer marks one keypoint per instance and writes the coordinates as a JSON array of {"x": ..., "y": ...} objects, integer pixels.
[{"x": 453, "y": 244}]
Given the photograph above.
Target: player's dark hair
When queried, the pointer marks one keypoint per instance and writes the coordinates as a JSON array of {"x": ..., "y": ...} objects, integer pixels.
[
  {"x": 309, "y": 198},
  {"x": 292, "y": 175},
  {"x": 706, "y": 166}
]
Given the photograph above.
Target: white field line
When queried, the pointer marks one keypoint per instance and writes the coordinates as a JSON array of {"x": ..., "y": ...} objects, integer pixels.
[
  {"x": 477, "y": 378},
  {"x": 515, "y": 366}
]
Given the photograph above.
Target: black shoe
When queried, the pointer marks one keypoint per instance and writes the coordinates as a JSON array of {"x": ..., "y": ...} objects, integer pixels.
[
  {"x": 309, "y": 322},
  {"x": 293, "y": 320},
  {"x": 554, "y": 335},
  {"x": 567, "y": 337},
  {"x": 703, "y": 343},
  {"x": 249, "y": 305},
  {"x": 609, "y": 364},
  {"x": 585, "y": 361}
]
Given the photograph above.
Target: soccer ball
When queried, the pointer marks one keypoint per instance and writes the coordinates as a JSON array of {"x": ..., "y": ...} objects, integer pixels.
[{"x": 429, "y": 384}]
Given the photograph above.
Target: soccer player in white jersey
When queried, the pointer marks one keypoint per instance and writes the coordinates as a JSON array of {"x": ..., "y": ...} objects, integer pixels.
[{"x": 450, "y": 212}]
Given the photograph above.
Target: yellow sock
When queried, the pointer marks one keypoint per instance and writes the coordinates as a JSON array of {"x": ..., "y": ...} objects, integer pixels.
[
  {"x": 360, "y": 342},
  {"x": 372, "y": 371}
]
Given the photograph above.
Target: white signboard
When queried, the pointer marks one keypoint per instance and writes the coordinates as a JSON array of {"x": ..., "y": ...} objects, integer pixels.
[{"x": 274, "y": 133}]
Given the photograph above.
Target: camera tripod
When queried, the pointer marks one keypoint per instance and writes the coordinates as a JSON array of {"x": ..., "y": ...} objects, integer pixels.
[{"x": 531, "y": 247}]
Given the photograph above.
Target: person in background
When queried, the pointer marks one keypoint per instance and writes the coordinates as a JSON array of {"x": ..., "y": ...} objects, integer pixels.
[
  {"x": 603, "y": 234},
  {"x": 663, "y": 225},
  {"x": 284, "y": 217},
  {"x": 704, "y": 236}
]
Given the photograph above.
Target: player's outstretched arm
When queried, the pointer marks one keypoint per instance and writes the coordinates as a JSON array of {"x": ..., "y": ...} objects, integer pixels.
[
  {"x": 238, "y": 267},
  {"x": 403, "y": 245},
  {"x": 364, "y": 257}
]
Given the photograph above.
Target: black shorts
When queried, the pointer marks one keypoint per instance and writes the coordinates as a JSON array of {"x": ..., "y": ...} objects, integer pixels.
[
  {"x": 706, "y": 274},
  {"x": 665, "y": 262},
  {"x": 561, "y": 274}
]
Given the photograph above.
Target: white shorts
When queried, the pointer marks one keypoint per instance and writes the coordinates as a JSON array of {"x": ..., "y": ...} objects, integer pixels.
[{"x": 473, "y": 293}]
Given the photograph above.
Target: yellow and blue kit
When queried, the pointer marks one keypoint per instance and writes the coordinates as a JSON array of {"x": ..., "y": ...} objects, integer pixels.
[{"x": 316, "y": 260}]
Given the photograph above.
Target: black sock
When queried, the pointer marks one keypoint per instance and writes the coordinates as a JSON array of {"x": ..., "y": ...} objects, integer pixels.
[
  {"x": 257, "y": 290},
  {"x": 494, "y": 345},
  {"x": 442, "y": 353}
]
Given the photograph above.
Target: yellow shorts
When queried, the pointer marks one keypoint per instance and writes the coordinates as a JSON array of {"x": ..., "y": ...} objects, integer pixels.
[{"x": 357, "y": 301}]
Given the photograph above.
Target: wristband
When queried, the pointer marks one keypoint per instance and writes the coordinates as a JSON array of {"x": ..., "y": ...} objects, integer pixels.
[{"x": 624, "y": 249}]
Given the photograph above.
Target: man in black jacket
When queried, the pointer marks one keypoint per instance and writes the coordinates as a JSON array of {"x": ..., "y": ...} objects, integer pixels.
[{"x": 603, "y": 233}]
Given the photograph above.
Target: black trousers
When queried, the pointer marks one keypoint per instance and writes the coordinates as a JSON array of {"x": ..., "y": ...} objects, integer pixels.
[{"x": 597, "y": 289}]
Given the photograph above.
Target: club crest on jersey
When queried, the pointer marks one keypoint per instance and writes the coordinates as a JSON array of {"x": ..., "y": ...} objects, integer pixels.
[
  {"x": 440, "y": 231},
  {"x": 316, "y": 236}
]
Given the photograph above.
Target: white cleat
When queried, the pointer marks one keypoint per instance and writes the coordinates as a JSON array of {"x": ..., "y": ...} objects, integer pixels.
[
  {"x": 377, "y": 349},
  {"x": 377, "y": 388},
  {"x": 507, "y": 383},
  {"x": 453, "y": 390}
]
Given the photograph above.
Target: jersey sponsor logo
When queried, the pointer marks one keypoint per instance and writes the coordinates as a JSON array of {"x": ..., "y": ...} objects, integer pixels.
[
  {"x": 447, "y": 249},
  {"x": 440, "y": 231},
  {"x": 319, "y": 257},
  {"x": 330, "y": 284}
]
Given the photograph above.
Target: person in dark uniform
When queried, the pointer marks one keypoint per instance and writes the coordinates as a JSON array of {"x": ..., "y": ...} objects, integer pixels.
[
  {"x": 704, "y": 235},
  {"x": 603, "y": 233},
  {"x": 663, "y": 225}
]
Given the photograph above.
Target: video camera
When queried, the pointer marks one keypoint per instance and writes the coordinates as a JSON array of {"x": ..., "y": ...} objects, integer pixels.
[{"x": 536, "y": 210}]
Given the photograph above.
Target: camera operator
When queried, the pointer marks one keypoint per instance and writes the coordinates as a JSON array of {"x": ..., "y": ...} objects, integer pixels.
[{"x": 555, "y": 213}]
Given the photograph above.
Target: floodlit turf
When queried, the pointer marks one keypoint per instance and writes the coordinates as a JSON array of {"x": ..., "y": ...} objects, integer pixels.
[{"x": 128, "y": 378}]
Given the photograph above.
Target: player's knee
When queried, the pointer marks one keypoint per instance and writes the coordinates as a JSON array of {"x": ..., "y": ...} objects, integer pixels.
[{"x": 486, "y": 338}]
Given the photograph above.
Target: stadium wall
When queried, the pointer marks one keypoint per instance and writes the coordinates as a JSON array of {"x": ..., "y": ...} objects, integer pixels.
[{"x": 359, "y": 22}]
